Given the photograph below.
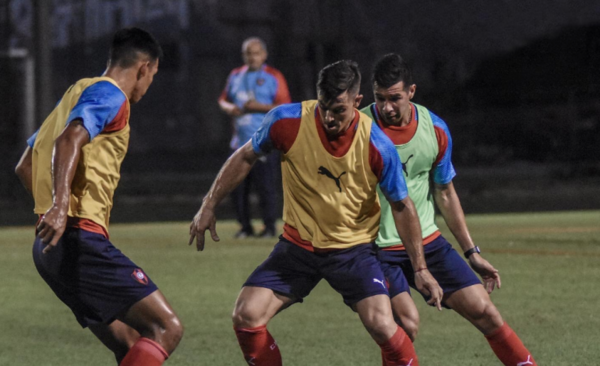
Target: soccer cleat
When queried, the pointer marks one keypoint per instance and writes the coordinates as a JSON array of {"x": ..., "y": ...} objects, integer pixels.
[
  {"x": 267, "y": 234},
  {"x": 243, "y": 234}
]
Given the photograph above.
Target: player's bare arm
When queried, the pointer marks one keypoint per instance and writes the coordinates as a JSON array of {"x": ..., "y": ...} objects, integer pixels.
[
  {"x": 229, "y": 108},
  {"x": 252, "y": 106},
  {"x": 24, "y": 169},
  {"x": 233, "y": 172},
  {"x": 67, "y": 150},
  {"x": 449, "y": 205},
  {"x": 409, "y": 229}
]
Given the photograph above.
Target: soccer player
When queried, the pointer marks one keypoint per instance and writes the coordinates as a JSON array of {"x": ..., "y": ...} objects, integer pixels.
[
  {"x": 333, "y": 158},
  {"x": 424, "y": 142},
  {"x": 71, "y": 167},
  {"x": 251, "y": 91}
]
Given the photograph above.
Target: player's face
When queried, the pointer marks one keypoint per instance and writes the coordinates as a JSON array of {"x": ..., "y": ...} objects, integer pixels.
[
  {"x": 254, "y": 55},
  {"x": 145, "y": 78},
  {"x": 337, "y": 114},
  {"x": 394, "y": 102}
]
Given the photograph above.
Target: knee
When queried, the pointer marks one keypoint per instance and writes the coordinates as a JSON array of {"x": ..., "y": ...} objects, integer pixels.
[
  {"x": 411, "y": 327},
  {"x": 245, "y": 317},
  {"x": 380, "y": 326},
  {"x": 487, "y": 317},
  {"x": 170, "y": 331}
]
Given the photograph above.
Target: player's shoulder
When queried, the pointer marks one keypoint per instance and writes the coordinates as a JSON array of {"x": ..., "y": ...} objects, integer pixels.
[
  {"x": 273, "y": 71},
  {"x": 368, "y": 111},
  {"x": 99, "y": 90},
  {"x": 238, "y": 70},
  {"x": 380, "y": 140},
  {"x": 284, "y": 111},
  {"x": 435, "y": 119}
]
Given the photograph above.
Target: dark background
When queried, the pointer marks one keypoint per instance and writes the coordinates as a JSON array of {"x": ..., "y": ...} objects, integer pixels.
[{"x": 517, "y": 81}]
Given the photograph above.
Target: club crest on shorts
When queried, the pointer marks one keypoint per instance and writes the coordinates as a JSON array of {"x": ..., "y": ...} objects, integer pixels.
[{"x": 140, "y": 276}]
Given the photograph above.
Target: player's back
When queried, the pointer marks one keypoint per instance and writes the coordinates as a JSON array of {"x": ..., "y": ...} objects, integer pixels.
[{"x": 103, "y": 109}]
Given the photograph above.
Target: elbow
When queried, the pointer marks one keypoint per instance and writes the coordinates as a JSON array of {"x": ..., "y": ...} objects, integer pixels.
[{"x": 20, "y": 170}]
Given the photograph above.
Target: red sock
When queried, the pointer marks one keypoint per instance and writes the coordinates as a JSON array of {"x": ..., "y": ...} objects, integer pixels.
[
  {"x": 258, "y": 346},
  {"x": 145, "y": 352},
  {"x": 399, "y": 350},
  {"x": 508, "y": 347}
]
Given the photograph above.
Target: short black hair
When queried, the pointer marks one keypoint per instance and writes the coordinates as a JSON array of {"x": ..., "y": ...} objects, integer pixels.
[
  {"x": 338, "y": 77},
  {"x": 390, "y": 70},
  {"x": 128, "y": 43}
]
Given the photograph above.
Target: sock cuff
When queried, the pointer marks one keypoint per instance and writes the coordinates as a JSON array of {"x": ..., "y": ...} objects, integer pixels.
[
  {"x": 397, "y": 338},
  {"x": 500, "y": 334},
  {"x": 259, "y": 329},
  {"x": 152, "y": 347}
]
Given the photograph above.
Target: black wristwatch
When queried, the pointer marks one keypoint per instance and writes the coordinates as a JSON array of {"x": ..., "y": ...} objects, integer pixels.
[{"x": 475, "y": 249}]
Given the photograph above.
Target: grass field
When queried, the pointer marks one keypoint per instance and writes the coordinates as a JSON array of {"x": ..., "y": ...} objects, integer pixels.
[{"x": 549, "y": 262}]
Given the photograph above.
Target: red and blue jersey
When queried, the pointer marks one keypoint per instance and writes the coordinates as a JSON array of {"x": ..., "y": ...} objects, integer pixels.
[
  {"x": 266, "y": 86},
  {"x": 280, "y": 129},
  {"x": 330, "y": 198},
  {"x": 442, "y": 170},
  {"x": 103, "y": 110}
]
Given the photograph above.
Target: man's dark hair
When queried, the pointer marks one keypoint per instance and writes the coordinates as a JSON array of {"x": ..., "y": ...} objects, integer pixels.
[
  {"x": 127, "y": 45},
  {"x": 336, "y": 78},
  {"x": 390, "y": 70}
]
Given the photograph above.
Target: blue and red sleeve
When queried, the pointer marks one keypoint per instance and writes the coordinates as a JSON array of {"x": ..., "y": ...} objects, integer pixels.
[
  {"x": 31, "y": 140},
  {"x": 102, "y": 107},
  {"x": 225, "y": 93},
  {"x": 98, "y": 106},
  {"x": 279, "y": 129},
  {"x": 386, "y": 165},
  {"x": 443, "y": 170},
  {"x": 282, "y": 94}
]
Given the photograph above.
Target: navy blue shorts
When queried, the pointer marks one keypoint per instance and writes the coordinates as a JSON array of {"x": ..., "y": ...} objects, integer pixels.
[
  {"x": 444, "y": 263},
  {"x": 294, "y": 271},
  {"x": 91, "y": 276}
]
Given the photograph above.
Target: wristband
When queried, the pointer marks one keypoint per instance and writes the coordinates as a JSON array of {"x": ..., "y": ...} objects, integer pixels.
[
  {"x": 469, "y": 252},
  {"x": 421, "y": 269}
]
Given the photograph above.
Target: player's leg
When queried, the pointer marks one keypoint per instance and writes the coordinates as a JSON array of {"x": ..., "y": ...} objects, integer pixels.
[
  {"x": 406, "y": 314},
  {"x": 254, "y": 308},
  {"x": 474, "y": 304},
  {"x": 159, "y": 328},
  {"x": 240, "y": 199},
  {"x": 464, "y": 293},
  {"x": 403, "y": 307},
  {"x": 265, "y": 182},
  {"x": 116, "y": 336},
  {"x": 357, "y": 275},
  {"x": 376, "y": 315},
  {"x": 282, "y": 279}
]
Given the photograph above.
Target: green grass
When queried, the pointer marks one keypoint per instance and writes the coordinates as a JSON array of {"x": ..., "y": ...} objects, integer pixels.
[{"x": 549, "y": 265}]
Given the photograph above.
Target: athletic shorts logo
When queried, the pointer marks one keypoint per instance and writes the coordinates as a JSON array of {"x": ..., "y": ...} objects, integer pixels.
[
  {"x": 379, "y": 282},
  {"x": 328, "y": 174},
  {"x": 404, "y": 164},
  {"x": 140, "y": 276},
  {"x": 527, "y": 362}
]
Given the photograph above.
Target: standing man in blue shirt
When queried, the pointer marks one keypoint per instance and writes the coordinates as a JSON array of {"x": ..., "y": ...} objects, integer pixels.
[{"x": 251, "y": 91}]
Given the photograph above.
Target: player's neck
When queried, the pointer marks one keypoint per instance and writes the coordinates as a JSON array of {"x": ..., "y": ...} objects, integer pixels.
[{"x": 125, "y": 78}]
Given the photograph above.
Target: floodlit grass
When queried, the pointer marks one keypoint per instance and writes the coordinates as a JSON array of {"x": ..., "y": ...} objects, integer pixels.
[{"x": 550, "y": 267}]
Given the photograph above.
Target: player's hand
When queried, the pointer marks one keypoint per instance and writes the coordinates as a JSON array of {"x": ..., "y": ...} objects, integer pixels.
[
  {"x": 428, "y": 285},
  {"x": 489, "y": 274},
  {"x": 235, "y": 112},
  {"x": 252, "y": 106},
  {"x": 204, "y": 219},
  {"x": 52, "y": 226}
]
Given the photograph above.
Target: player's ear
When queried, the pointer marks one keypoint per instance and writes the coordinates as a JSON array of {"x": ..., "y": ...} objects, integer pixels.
[
  {"x": 143, "y": 69},
  {"x": 411, "y": 91},
  {"x": 357, "y": 99}
]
